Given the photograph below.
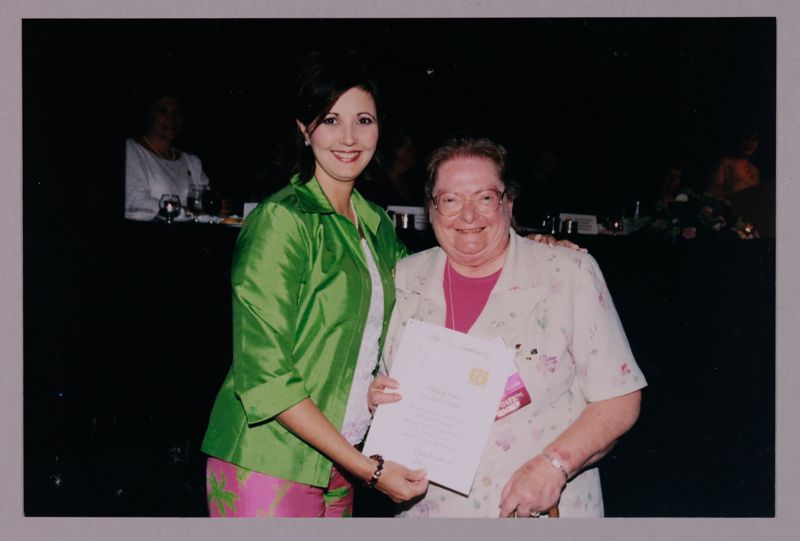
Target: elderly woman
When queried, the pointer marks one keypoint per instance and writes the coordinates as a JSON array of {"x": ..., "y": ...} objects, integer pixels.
[{"x": 582, "y": 385}]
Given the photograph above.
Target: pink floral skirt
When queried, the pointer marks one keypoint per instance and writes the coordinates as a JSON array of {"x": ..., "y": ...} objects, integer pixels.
[{"x": 233, "y": 491}]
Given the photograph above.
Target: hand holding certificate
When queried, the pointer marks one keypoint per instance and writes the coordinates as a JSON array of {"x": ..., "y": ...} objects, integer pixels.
[{"x": 451, "y": 385}]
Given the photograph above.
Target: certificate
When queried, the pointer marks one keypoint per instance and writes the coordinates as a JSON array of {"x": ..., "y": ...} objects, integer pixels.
[{"x": 451, "y": 385}]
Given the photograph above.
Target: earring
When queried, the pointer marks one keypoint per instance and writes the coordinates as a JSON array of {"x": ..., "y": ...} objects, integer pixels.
[{"x": 306, "y": 143}]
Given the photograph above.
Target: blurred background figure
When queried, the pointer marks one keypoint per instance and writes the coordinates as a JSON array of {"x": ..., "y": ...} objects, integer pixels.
[
  {"x": 402, "y": 178},
  {"x": 738, "y": 180},
  {"x": 672, "y": 184},
  {"x": 403, "y": 171},
  {"x": 736, "y": 171},
  {"x": 153, "y": 166}
]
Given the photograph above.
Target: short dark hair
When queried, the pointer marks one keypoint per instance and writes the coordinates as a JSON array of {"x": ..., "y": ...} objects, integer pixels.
[
  {"x": 145, "y": 99},
  {"x": 326, "y": 76},
  {"x": 472, "y": 147}
]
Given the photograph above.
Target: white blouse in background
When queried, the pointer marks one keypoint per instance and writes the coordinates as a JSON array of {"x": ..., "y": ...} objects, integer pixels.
[{"x": 148, "y": 177}]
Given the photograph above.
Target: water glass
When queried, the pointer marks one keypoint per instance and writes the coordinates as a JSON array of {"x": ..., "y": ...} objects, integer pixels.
[
  {"x": 616, "y": 225},
  {"x": 194, "y": 200},
  {"x": 212, "y": 201}
]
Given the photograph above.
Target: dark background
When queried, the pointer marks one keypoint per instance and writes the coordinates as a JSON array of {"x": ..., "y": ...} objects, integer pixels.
[
  {"x": 127, "y": 325},
  {"x": 613, "y": 100}
]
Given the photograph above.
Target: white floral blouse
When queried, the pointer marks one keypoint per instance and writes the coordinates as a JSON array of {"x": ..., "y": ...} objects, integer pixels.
[{"x": 552, "y": 305}]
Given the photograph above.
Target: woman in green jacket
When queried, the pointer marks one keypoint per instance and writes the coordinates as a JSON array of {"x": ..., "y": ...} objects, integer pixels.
[{"x": 313, "y": 290}]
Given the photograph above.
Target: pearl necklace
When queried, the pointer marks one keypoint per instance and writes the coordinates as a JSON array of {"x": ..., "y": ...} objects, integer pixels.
[{"x": 355, "y": 215}]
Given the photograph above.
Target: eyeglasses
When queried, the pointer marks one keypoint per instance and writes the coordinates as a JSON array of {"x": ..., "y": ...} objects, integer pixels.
[{"x": 485, "y": 201}]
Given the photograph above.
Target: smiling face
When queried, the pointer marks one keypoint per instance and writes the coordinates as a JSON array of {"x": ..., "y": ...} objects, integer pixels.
[
  {"x": 476, "y": 243},
  {"x": 166, "y": 119},
  {"x": 344, "y": 140}
]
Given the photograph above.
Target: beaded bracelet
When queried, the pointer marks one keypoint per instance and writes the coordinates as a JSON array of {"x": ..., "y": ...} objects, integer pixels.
[
  {"x": 378, "y": 470},
  {"x": 556, "y": 463}
]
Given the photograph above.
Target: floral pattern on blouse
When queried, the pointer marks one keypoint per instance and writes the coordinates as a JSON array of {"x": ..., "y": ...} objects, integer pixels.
[{"x": 553, "y": 307}]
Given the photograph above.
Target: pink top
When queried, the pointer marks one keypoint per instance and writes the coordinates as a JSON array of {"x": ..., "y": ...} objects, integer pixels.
[{"x": 465, "y": 297}]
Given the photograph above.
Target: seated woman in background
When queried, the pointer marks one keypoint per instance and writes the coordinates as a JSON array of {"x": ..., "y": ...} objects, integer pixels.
[
  {"x": 736, "y": 172},
  {"x": 738, "y": 181},
  {"x": 153, "y": 166},
  {"x": 582, "y": 384}
]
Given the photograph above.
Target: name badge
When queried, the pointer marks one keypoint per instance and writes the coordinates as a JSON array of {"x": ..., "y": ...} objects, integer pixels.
[{"x": 515, "y": 396}]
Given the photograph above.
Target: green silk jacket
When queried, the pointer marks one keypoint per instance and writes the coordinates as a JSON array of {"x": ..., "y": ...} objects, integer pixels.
[{"x": 301, "y": 293}]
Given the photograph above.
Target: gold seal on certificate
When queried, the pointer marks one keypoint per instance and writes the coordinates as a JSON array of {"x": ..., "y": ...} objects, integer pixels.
[
  {"x": 478, "y": 377},
  {"x": 451, "y": 384}
]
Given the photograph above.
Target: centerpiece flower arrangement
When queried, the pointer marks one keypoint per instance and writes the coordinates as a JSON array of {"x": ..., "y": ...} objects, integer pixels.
[{"x": 689, "y": 216}]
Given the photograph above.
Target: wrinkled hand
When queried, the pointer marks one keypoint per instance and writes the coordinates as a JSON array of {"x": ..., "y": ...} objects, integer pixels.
[
  {"x": 551, "y": 241},
  {"x": 377, "y": 394},
  {"x": 401, "y": 484},
  {"x": 535, "y": 487}
]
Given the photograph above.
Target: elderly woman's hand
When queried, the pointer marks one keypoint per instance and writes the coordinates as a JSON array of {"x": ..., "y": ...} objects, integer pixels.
[
  {"x": 551, "y": 241},
  {"x": 401, "y": 484},
  {"x": 377, "y": 394},
  {"x": 534, "y": 488}
]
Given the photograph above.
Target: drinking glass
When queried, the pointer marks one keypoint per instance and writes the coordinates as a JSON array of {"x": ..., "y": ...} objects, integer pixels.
[
  {"x": 615, "y": 224},
  {"x": 549, "y": 223},
  {"x": 211, "y": 202},
  {"x": 194, "y": 200},
  {"x": 403, "y": 221},
  {"x": 169, "y": 207}
]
